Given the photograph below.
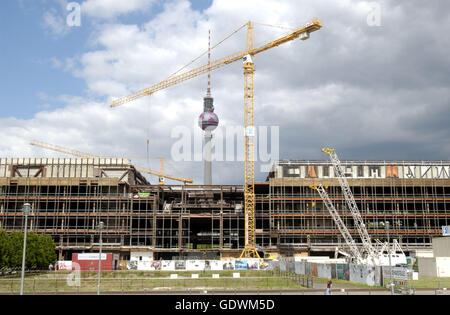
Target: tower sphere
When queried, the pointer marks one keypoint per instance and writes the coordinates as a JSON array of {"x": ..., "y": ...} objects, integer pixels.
[{"x": 208, "y": 121}]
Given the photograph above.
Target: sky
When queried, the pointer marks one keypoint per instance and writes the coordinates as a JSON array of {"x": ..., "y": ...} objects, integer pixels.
[{"x": 373, "y": 82}]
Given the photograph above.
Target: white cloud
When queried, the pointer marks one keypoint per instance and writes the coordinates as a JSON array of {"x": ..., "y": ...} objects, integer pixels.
[
  {"x": 349, "y": 86},
  {"x": 107, "y": 9},
  {"x": 54, "y": 23}
]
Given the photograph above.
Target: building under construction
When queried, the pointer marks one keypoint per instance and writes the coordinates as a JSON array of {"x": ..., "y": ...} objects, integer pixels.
[{"x": 69, "y": 197}]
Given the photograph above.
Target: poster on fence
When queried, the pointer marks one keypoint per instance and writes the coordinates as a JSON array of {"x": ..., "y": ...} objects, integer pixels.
[
  {"x": 215, "y": 265},
  {"x": 156, "y": 265},
  {"x": 132, "y": 265},
  {"x": 180, "y": 265},
  {"x": 253, "y": 264},
  {"x": 240, "y": 265},
  {"x": 64, "y": 265},
  {"x": 228, "y": 264},
  {"x": 398, "y": 274},
  {"x": 365, "y": 274},
  {"x": 195, "y": 265}
]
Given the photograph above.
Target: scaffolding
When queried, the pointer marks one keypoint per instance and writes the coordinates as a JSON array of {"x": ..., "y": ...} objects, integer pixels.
[
  {"x": 413, "y": 196},
  {"x": 70, "y": 196}
]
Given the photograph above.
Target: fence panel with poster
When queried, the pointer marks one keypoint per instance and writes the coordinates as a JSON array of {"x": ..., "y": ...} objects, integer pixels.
[
  {"x": 363, "y": 274},
  {"x": 64, "y": 265},
  {"x": 368, "y": 275},
  {"x": 398, "y": 275},
  {"x": 204, "y": 265}
]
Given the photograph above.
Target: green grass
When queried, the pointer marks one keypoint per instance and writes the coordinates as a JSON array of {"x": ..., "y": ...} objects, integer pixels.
[
  {"x": 422, "y": 283},
  {"x": 152, "y": 281},
  {"x": 129, "y": 274},
  {"x": 431, "y": 283},
  {"x": 345, "y": 284}
]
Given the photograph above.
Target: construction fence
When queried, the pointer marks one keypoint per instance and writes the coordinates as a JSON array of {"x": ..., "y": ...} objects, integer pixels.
[
  {"x": 196, "y": 265},
  {"x": 368, "y": 275}
]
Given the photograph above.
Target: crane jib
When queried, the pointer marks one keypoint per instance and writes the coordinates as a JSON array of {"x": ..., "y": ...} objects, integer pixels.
[{"x": 306, "y": 29}]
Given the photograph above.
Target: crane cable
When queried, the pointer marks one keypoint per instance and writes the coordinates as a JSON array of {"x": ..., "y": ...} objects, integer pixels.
[
  {"x": 206, "y": 52},
  {"x": 276, "y": 26}
]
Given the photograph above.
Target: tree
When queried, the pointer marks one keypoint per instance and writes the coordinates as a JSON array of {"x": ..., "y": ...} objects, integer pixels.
[
  {"x": 33, "y": 251},
  {"x": 14, "y": 250},
  {"x": 3, "y": 246},
  {"x": 47, "y": 250},
  {"x": 40, "y": 250}
]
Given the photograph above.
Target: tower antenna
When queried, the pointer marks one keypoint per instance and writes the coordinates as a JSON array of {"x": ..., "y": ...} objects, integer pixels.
[{"x": 208, "y": 93}]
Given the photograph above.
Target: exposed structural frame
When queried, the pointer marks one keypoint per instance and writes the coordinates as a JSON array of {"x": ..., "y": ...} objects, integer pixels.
[
  {"x": 303, "y": 33},
  {"x": 69, "y": 195},
  {"x": 91, "y": 156}
]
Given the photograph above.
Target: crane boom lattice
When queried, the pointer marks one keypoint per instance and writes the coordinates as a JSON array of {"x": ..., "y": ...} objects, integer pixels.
[
  {"x": 339, "y": 223},
  {"x": 351, "y": 203}
]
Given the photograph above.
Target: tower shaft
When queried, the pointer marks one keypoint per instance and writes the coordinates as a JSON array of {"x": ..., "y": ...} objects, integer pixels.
[{"x": 207, "y": 172}]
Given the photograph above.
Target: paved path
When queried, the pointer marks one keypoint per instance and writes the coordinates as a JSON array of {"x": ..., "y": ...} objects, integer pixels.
[{"x": 260, "y": 293}]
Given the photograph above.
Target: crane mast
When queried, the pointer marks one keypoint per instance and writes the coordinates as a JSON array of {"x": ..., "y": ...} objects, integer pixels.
[
  {"x": 249, "y": 167},
  {"x": 351, "y": 203}
]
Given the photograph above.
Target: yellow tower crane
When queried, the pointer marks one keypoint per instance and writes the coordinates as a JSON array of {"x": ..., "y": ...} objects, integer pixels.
[
  {"x": 303, "y": 33},
  {"x": 91, "y": 156}
]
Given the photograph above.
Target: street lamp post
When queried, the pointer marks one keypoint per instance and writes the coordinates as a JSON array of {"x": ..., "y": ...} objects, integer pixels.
[
  {"x": 386, "y": 227},
  {"x": 100, "y": 227},
  {"x": 26, "y": 210},
  {"x": 389, "y": 253}
]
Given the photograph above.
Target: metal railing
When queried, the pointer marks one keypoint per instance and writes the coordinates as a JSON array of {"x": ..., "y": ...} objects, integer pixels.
[{"x": 154, "y": 283}]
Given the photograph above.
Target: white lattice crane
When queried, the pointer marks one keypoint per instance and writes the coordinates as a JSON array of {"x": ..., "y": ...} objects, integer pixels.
[
  {"x": 340, "y": 224},
  {"x": 339, "y": 172}
]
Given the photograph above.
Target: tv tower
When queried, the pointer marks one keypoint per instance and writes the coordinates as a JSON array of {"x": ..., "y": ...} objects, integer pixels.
[{"x": 208, "y": 122}]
